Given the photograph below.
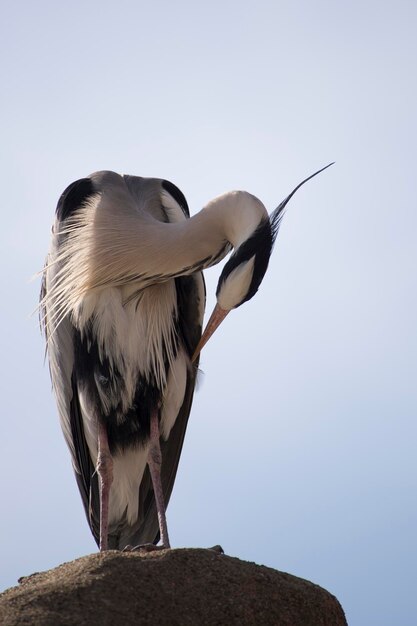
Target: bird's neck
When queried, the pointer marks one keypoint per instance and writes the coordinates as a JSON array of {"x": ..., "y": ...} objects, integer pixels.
[
  {"x": 225, "y": 221},
  {"x": 238, "y": 213},
  {"x": 139, "y": 250}
]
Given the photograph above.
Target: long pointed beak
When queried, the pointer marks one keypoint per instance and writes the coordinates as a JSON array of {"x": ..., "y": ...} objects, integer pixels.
[{"x": 214, "y": 322}]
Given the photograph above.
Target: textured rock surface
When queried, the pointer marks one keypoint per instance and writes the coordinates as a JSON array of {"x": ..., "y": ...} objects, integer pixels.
[{"x": 172, "y": 587}]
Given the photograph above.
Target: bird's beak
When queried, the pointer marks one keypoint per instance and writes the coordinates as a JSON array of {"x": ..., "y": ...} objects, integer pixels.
[{"x": 214, "y": 322}]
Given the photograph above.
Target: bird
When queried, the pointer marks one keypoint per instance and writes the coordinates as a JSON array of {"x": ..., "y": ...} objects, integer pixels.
[{"x": 122, "y": 304}]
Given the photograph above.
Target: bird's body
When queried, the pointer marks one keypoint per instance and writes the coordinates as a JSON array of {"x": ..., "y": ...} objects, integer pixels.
[
  {"x": 123, "y": 301},
  {"x": 120, "y": 352}
]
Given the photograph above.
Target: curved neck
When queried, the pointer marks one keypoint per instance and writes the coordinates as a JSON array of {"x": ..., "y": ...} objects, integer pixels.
[
  {"x": 131, "y": 247},
  {"x": 238, "y": 213},
  {"x": 205, "y": 238}
]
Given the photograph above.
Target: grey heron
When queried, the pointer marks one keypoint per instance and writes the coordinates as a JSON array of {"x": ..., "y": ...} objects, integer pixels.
[{"x": 122, "y": 304}]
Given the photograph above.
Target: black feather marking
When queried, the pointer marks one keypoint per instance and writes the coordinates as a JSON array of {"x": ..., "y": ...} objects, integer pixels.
[
  {"x": 189, "y": 324},
  {"x": 277, "y": 215},
  {"x": 177, "y": 195},
  {"x": 260, "y": 245},
  {"x": 99, "y": 377},
  {"x": 73, "y": 197},
  {"x": 132, "y": 428}
]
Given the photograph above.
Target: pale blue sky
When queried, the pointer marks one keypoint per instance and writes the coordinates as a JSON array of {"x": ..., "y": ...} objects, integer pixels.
[{"x": 300, "y": 452}]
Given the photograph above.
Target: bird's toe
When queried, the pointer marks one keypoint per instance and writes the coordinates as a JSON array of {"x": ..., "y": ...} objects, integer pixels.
[{"x": 144, "y": 547}]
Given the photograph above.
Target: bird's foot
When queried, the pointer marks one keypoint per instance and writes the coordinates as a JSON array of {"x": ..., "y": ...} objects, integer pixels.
[
  {"x": 144, "y": 547},
  {"x": 151, "y": 547}
]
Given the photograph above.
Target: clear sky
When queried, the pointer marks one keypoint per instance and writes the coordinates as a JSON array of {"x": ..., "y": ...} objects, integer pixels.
[{"x": 301, "y": 448}]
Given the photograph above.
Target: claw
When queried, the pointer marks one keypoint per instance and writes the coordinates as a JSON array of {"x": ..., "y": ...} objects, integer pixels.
[{"x": 144, "y": 547}]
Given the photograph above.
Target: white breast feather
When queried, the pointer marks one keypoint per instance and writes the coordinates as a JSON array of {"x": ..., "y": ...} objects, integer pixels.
[{"x": 137, "y": 336}]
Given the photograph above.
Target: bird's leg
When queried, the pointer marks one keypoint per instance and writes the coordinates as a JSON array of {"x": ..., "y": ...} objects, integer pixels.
[
  {"x": 154, "y": 462},
  {"x": 105, "y": 473}
]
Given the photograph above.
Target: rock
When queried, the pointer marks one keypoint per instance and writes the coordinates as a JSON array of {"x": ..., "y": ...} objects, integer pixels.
[{"x": 179, "y": 587}]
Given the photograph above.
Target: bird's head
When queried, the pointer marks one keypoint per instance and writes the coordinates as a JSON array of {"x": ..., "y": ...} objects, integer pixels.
[{"x": 244, "y": 271}]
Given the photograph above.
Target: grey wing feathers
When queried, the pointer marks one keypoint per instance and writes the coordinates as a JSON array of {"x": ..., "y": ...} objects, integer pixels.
[
  {"x": 61, "y": 362},
  {"x": 87, "y": 479},
  {"x": 60, "y": 349}
]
